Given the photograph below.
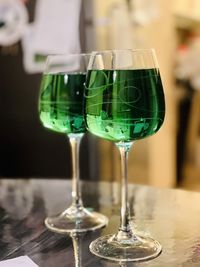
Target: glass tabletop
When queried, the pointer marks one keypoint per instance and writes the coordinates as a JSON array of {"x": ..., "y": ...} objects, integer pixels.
[{"x": 171, "y": 216}]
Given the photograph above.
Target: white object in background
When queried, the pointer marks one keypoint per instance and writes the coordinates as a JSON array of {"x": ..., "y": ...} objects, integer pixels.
[
  {"x": 23, "y": 261},
  {"x": 13, "y": 21},
  {"x": 55, "y": 31},
  {"x": 144, "y": 11},
  {"x": 120, "y": 27}
]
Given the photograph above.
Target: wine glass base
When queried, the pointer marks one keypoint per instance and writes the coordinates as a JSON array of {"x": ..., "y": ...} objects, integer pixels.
[
  {"x": 142, "y": 249},
  {"x": 76, "y": 223}
]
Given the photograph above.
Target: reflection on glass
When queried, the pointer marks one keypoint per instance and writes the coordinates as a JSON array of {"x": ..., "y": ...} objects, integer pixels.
[
  {"x": 124, "y": 102},
  {"x": 61, "y": 110},
  {"x": 82, "y": 256},
  {"x": 77, "y": 240},
  {"x": 16, "y": 198}
]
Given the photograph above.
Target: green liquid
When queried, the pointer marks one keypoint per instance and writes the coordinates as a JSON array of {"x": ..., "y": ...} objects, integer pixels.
[
  {"x": 61, "y": 102},
  {"x": 124, "y": 105}
]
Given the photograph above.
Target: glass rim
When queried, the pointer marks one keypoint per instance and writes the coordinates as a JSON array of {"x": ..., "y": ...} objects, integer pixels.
[
  {"x": 134, "y": 54},
  {"x": 68, "y": 54},
  {"x": 63, "y": 60},
  {"x": 152, "y": 50}
]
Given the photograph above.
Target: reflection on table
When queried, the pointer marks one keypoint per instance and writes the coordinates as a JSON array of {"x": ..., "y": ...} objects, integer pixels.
[{"x": 170, "y": 216}]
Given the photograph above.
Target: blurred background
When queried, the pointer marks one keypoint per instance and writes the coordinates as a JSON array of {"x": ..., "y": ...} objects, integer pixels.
[{"x": 32, "y": 29}]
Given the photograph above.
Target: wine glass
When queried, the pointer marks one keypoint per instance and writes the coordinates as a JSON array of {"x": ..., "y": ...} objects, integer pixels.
[
  {"x": 61, "y": 110},
  {"x": 124, "y": 102}
]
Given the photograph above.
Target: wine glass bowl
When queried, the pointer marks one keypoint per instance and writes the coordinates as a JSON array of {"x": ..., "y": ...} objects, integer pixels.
[
  {"x": 57, "y": 111},
  {"x": 61, "y": 110},
  {"x": 124, "y": 102}
]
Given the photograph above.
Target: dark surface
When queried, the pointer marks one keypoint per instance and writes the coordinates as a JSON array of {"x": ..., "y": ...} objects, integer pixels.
[{"x": 170, "y": 216}]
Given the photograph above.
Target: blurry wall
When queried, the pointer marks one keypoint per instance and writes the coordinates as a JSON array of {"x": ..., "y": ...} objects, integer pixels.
[
  {"x": 171, "y": 157},
  {"x": 127, "y": 24}
]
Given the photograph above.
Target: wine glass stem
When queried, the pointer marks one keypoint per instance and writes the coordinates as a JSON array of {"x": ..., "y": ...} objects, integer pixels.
[
  {"x": 77, "y": 244},
  {"x": 76, "y": 192},
  {"x": 125, "y": 233},
  {"x": 124, "y": 222}
]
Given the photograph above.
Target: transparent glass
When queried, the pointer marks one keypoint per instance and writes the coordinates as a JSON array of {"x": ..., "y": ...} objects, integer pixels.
[
  {"x": 124, "y": 102},
  {"x": 61, "y": 110}
]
